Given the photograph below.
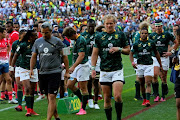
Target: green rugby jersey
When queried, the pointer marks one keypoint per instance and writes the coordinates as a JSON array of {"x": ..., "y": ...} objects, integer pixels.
[
  {"x": 144, "y": 51},
  {"x": 25, "y": 51},
  {"x": 135, "y": 39},
  {"x": 136, "y": 36},
  {"x": 89, "y": 40},
  {"x": 162, "y": 41},
  {"x": 104, "y": 42},
  {"x": 15, "y": 45},
  {"x": 80, "y": 46}
]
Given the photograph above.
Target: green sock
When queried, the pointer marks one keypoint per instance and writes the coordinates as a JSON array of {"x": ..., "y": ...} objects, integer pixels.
[
  {"x": 137, "y": 85},
  {"x": 164, "y": 89},
  {"x": 84, "y": 101},
  {"x": 108, "y": 112},
  {"x": 144, "y": 95},
  {"x": 78, "y": 94},
  {"x": 148, "y": 96},
  {"x": 156, "y": 87},
  {"x": 32, "y": 101},
  {"x": 118, "y": 106},
  {"x": 28, "y": 101},
  {"x": 19, "y": 96}
]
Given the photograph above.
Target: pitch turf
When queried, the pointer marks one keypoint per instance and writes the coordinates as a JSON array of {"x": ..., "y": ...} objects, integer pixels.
[{"x": 162, "y": 111}]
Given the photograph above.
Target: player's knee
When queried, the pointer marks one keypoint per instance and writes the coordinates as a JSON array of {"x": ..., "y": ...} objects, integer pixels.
[
  {"x": 8, "y": 81},
  {"x": 156, "y": 76},
  {"x": 51, "y": 97},
  {"x": 19, "y": 85},
  {"x": 70, "y": 86},
  {"x": 107, "y": 100},
  {"x": 117, "y": 97},
  {"x": 27, "y": 90},
  {"x": 148, "y": 83}
]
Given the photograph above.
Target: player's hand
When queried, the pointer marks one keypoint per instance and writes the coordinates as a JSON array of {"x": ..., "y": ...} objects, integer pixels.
[
  {"x": 66, "y": 75},
  {"x": 166, "y": 54},
  {"x": 93, "y": 74},
  {"x": 113, "y": 50},
  {"x": 134, "y": 65},
  {"x": 31, "y": 74},
  {"x": 71, "y": 69}
]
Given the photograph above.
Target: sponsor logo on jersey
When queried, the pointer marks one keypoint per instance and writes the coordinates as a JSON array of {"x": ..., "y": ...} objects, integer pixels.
[
  {"x": 46, "y": 50},
  {"x": 145, "y": 52},
  {"x": 110, "y": 45},
  {"x": 103, "y": 37},
  {"x": 159, "y": 44},
  {"x": 110, "y": 38}
]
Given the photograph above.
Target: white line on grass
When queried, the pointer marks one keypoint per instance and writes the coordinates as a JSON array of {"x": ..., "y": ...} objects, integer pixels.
[{"x": 1, "y": 110}]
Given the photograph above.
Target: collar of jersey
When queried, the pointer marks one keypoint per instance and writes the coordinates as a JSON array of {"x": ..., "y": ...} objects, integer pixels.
[
  {"x": 147, "y": 39},
  {"x": 112, "y": 32},
  {"x": 77, "y": 36}
]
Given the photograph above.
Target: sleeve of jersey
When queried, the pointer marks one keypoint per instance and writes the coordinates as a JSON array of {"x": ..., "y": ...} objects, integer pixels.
[
  {"x": 60, "y": 45},
  {"x": 82, "y": 46},
  {"x": 124, "y": 39},
  {"x": 96, "y": 42},
  {"x": 171, "y": 37},
  {"x": 13, "y": 50},
  {"x": 133, "y": 48},
  {"x": 34, "y": 48}
]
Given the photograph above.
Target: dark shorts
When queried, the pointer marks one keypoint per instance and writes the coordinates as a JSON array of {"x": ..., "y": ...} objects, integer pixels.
[
  {"x": 4, "y": 68},
  {"x": 37, "y": 64},
  {"x": 177, "y": 88},
  {"x": 49, "y": 83}
]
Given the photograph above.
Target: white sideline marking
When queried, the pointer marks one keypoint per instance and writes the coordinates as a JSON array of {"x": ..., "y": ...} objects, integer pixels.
[
  {"x": 13, "y": 106},
  {"x": 36, "y": 101}
]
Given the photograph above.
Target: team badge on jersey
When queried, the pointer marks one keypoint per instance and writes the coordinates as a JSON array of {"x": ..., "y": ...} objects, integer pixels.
[
  {"x": 28, "y": 46},
  {"x": 163, "y": 36},
  {"x": 139, "y": 45},
  {"x": 153, "y": 37},
  {"x": 116, "y": 36},
  {"x": 149, "y": 44}
]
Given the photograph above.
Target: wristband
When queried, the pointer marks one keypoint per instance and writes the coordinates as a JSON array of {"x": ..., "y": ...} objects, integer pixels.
[
  {"x": 93, "y": 67},
  {"x": 11, "y": 68},
  {"x": 120, "y": 49},
  {"x": 133, "y": 63},
  {"x": 173, "y": 51}
]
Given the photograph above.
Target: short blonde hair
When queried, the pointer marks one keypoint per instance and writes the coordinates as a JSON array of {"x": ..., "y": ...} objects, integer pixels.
[
  {"x": 110, "y": 16},
  {"x": 143, "y": 24}
]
